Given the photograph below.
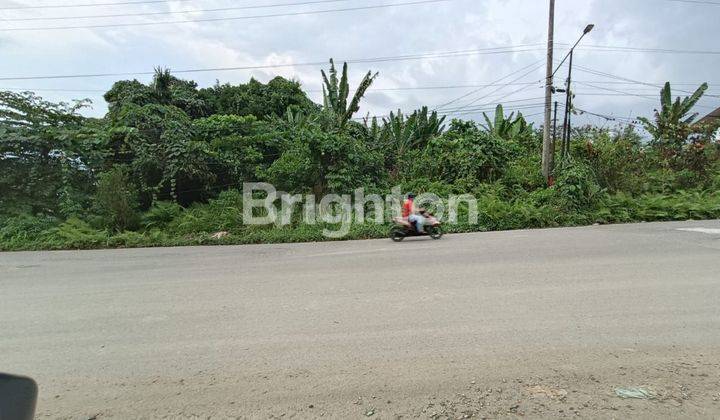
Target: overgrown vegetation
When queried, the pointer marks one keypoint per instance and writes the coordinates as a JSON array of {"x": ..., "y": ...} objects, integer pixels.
[{"x": 165, "y": 164}]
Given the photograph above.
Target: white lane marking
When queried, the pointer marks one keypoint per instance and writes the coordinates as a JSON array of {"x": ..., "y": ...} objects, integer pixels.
[{"x": 702, "y": 230}]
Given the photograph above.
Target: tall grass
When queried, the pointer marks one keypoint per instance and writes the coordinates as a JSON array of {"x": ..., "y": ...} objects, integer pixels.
[{"x": 171, "y": 225}]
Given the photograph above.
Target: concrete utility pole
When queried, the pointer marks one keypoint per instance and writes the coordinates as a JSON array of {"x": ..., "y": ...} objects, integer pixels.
[
  {"x": 548, "y": 152},
  {"x": 554, "y": 129},
  {"x": 568, "y": 109}
]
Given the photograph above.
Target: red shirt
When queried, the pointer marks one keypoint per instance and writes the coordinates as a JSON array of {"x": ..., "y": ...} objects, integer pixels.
[{"x": 407, "y": 208}]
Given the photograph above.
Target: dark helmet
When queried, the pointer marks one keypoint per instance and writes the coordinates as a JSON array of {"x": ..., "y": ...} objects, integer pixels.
[{"x": 411, "y": 196}]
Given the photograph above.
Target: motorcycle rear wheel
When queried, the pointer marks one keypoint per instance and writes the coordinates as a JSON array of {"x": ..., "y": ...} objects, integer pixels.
[
  {"x": 397, "y": 234},
  {"x": 435, "y": 232}
]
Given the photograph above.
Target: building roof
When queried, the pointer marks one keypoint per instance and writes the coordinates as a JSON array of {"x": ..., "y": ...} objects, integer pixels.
[{"x": 711, "y": 117}]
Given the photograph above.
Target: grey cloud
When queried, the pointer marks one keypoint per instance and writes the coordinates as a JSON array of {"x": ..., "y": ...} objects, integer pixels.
[{"x": 453, "y": 25}]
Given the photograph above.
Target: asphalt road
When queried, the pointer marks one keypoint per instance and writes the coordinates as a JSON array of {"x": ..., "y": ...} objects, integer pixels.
[{"x": 541, "y": 323}]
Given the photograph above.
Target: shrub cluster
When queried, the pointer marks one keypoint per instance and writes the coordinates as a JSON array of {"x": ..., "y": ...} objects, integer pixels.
[{"x": 164, "y": 166}]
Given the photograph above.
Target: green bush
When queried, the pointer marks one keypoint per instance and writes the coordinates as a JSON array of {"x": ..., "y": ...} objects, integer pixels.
[
  {"x": 426, "y": 185},
  {"x": 24, "y": 231},
  {"x": 161, "y": 214},
  {"x": 221, "y": 214},
  {"x": 467, "y": 153},
  {"x": 714, "y": 184},
  {"x": 524, "y": 173},
  {"x": 617, "y": 161},
  {"x": 116, "y": 199},
  {"x": 137, "y": 239},
  {"x": 170, "y": 140},
  {"x": 75, "y": 234},
  {"x": 576, "y": 185}
]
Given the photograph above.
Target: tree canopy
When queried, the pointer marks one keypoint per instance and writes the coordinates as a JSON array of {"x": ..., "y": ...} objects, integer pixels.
[{"x": 169, "y": 145}]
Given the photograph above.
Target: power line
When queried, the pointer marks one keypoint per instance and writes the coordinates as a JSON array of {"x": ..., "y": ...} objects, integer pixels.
[
  {"x": 101, "y": 92},
  {"x": 605, "y": 48},
  {"x": 130, "y": 3},
  {"x": 420, "y": 56},
  {"x": 492, "y": 105},
  {"x": 486, "y": 84},
  {"x": 494, "y": 102},
  {"x": 499, "y": 89},
  {"x": 447, "y": 110},
  {"x": 614, "y": 92},
  {"x": 469, "y": 85},
  {"x": 505, "y": 108},
  {"x": 415, "y": 88},
  {"x": 623, "y": 93},
  {"x": 611, "y": 48},
  {"x": 173, "y": 12},
  {"x": 53, "y": 90},
  {"x": 64, "y": 6},
  {"x": 519, "y": 109},
  {"x": 610, "y": 94},
  {"x": 508, "y": 108},
  {"x": 442, "y": 87},
  {"x": 713, "y": 3},
  {"x": 219, "y": 19},
  {"x": 437, "y": 107},
  {"x": 616, "y": 118},
  {"x": 371, "y": 89},
  {"x": 655, "y": 84},
  {"x": 533, "y": 69},
  {"x": 534, "y": 114},
  {"x": 628, "y": 94},
  {"x": 606, "y": 117},
  {"x": 612, "y": 76}
]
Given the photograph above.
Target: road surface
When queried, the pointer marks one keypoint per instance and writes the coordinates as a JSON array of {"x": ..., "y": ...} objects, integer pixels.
[{"x": 544, "y": 323}]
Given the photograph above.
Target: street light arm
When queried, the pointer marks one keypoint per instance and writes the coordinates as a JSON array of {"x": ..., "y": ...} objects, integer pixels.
[
  {"x": 567, "y": 55},
  {"x": 585, "y": 32}
]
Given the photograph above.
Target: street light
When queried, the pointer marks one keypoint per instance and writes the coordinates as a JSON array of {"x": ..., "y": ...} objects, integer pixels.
[
  {"x": 568, "y": 93},
  {"x": 586, "y": 31}
]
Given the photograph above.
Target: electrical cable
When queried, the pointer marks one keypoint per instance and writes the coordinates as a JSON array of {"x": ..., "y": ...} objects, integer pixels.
[
  {"x": 172, "y": 12},
  {"x": 222, "y": 19},
  {"x": 419, "y": 56},
  {"x": 459, "y": 98}
]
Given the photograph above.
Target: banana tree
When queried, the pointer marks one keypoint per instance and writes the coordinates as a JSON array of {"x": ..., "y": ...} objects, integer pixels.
[
  {"x": 400, "y": 133},
  {"x": 673, "y": 121},
  {"x": 336, "y": 92},
  {"x": 506, "y": 128},
  {"x": 407, "y": 132},
  {"x": 427, "y": 125}
]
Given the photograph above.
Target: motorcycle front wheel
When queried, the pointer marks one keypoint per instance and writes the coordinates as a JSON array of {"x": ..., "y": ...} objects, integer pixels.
[{"x": 435, "y": 232}]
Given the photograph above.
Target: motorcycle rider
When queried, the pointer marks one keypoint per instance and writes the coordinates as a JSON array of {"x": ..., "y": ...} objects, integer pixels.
[{"x": 413, "y": 214}]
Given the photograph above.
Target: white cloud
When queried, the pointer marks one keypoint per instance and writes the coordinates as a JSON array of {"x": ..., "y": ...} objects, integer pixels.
[{"x": 448, "y": 26}]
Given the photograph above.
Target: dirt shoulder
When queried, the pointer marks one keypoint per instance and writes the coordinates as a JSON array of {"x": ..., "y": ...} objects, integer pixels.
[{"x": 681, "y": 384}]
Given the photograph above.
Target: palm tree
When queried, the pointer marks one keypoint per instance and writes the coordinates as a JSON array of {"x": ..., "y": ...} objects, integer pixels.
[
  {"x": 162, "y": 80},
  {"x": 673, "y": 122},
  {"x": 336, "y": 92}
]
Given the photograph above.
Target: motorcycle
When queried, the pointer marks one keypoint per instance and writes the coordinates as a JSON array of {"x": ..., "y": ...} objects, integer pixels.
[{"x": 404, "y": 229}]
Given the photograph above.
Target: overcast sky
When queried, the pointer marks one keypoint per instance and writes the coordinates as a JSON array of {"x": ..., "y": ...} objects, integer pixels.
[{"x": 452, "y": 25}]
